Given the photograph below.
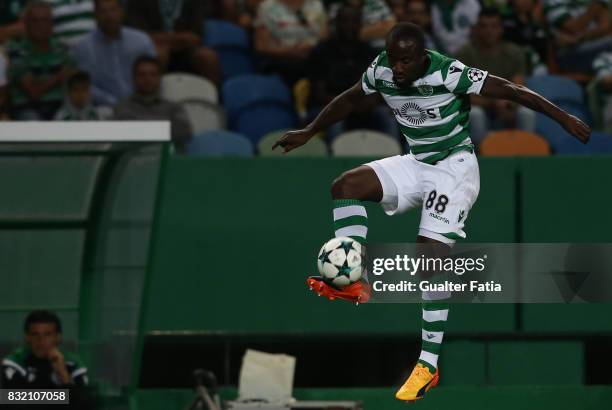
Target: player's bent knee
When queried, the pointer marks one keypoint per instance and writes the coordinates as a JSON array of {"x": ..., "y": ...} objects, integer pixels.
[
  {"x": 346, "y": 186},
  {"x": 360, "y": 183}
]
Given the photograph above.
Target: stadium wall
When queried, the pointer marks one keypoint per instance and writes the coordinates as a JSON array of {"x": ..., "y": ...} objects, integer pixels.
[
  {"x": 238, "y": 237},
  {"x": 245, "y": 232},
  {"x": 475, "y": 398}
]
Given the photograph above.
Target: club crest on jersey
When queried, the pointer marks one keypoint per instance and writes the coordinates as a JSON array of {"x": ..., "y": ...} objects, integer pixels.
[
  {"x": 425, "y": 89},
  {"x": 413, "y": 113}
]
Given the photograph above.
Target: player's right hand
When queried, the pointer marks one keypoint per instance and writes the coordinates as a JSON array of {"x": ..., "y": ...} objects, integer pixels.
[
  {"x": 577, "y": 128},
  {"x": 293, "y": 139}
]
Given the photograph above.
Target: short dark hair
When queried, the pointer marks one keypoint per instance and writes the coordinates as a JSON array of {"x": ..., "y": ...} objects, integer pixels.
[
  {"x": 489, "y": 12},
  {"x": 144, "y": 59},
  {"x": 42, "y": 316},
  {"x": 407, "y": 31},
  {"x": 80, "y": 77}
]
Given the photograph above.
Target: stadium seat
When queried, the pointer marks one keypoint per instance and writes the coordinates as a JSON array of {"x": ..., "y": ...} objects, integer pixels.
[
  {"x": 559, "y": 139},
  {"x": 105, "y": 112},
  {"x": 569, "y": 96},
  {"x": 181, "y": 87},
  {"x": 365, "y": 143},
  {"x": 556, "y": 136},
  {"x": 570, "y": 146},
  {"x": 579, "y": 110},
  {"x": 242, "y": 91},
  {"x": 232, "y": 44},
  {"x": 259, "y": 119},
  {"x": 513, "y": 143},
  {"x": 220, "y": 144},
  {"x": 557, "y": 88},
  {"x": 205, "y": 116},
  {"x": 220, "y": 33},
  {"x": 600, "y": 143},
  {"x": 316, "y": 147},
  {"x": 257, "y": 105},
  {"x": 235, "y": 62}
]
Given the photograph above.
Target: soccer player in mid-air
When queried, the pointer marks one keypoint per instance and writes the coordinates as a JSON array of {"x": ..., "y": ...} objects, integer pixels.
[{"x": 429, "y": 95}]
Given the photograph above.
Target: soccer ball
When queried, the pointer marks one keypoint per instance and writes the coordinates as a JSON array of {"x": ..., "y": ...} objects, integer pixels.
[{"x": 339, "y": 261}]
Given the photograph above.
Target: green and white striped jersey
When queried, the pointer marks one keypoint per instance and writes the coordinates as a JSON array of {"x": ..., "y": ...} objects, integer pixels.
[
  {"x": 433, "y": 113},
  {"x": 72, "y": 19},
  {"x": 557, "y": 11}
]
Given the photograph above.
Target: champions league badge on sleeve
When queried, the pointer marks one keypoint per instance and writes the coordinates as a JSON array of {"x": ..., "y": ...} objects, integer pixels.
[{"x": 475, "y": 75}]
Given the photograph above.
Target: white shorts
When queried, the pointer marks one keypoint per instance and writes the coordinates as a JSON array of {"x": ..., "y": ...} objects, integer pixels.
[{"x": 446, "y": 191}]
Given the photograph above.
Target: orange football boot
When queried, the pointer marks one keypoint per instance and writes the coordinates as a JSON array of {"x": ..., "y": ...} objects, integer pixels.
[
  {"x": 358, "y": 292},
  {"x": 419, "y": 383}
]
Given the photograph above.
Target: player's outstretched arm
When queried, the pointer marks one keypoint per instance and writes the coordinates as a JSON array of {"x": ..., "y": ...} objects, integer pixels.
[
  {"x": 338, "y": 109},
  {"x": 496, "y": 87}
]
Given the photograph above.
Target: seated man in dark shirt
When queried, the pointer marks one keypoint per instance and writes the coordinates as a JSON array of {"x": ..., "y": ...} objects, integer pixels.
[
  {"x": 176, "y": 29},
  {"x": 41, "y": 364},
  {"x": 335, "y": 65},
  {"x": 488, "y": 51},
  {"x": 146, "y": 103}
]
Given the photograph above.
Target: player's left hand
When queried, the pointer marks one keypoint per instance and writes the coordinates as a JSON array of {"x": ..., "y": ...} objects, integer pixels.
[
  {"x": 293, "y": 139},
  {"x": 577, "y": 128}
]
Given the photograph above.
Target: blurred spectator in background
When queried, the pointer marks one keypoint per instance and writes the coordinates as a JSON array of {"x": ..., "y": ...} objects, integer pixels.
[
  {"x": 376, "y": 20},
  {"x": 11, "y": 24},
  {"x": 581, "y": 30},
  {"x": 240, "y": 12},
  {"x": 72, "y": 19},
  {"x": 109, "y": 52},
  {"x": 147, "y": 104},
  {"x": 501, "y": 5},
  {"x": 346, "y": 57},
  {"x": 77, "y": 106},
  {"x": 176, "y": 27},
  {"x": 286, "y": 31},
  {"x": 4, "y": 111},
  {"x": 39, "y": 65},
  {"x": 524, "y": 28},
  {"x": 41, "y": 364},
  {"x": 417, "y": 12},
  {"x": 399, "y": 10},
  {"x": 603, "y": 72},
  {"x": 487, "y": 51},
  {"x": 451, "y": 22}
]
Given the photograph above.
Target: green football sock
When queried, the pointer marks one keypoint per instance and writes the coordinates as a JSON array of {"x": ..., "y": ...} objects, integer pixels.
[
  {"x": 350, "y": 219},
  {"x": 435, "y": 314}
]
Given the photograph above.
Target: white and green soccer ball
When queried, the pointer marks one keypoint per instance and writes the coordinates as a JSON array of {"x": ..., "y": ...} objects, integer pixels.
[{"x": 339, "y": 261}]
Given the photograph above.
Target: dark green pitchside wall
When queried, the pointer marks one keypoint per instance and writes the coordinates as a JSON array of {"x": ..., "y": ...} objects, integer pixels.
[
  {"x": 473, "y": 398},
  {"x": 238, "y": 237}
]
